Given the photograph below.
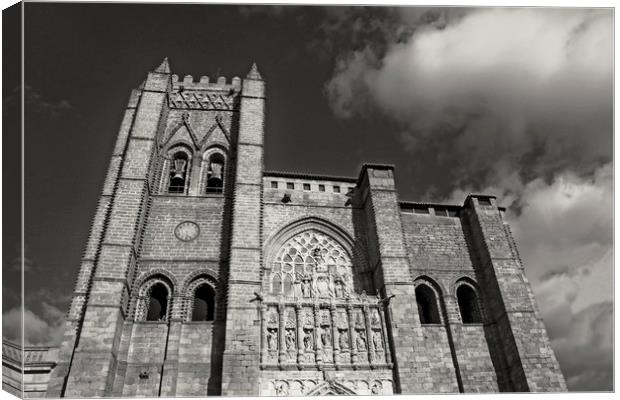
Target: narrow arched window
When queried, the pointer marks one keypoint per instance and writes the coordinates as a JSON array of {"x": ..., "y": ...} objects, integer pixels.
[
  {"x": 468, "y": 305},
  {"x": 179, "y": 167},
  {"x": 215, "y": 173},
  {"x": 204, "y": 303},
  {"x": 287, "y": 284},
  {"x": 427, "y": 305},
  {"x": 276, "y": 284},
  {"x": 158, "y": 303}
]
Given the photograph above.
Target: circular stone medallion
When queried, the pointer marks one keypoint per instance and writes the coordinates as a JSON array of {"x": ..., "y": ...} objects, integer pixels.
[{"x": 186, "y": 231}]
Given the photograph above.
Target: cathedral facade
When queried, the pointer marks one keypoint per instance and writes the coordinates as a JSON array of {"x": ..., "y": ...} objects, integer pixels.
[{"x": 205, "y": 274}]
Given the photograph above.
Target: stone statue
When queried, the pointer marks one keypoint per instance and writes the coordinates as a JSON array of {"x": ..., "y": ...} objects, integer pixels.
[
  {"x": 308, "y": 318},
  {"x": 305, "y": 287},
  {"x": 308, "y": 341},
  {"x": 361, "y": 341},
  {"x": 358, "y": 320},
  {"x": 271, "y": 340},
  {"x": 339, "y": 290},
  {"x": 375, "y": 388},
  {"x": 326, "y": 337},
  {"x": 290, "y": 339},
  {"x": 376, "y": 340},
  {"x": 317, "y": 254},
  {"x": 375, "y": 319},
  {"x": 291, "y": 319},
  {"x": 344, "y": 340}
]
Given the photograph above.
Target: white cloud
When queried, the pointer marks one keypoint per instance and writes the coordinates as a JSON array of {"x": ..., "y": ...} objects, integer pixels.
[
  {"x": 526, "y": 89},
  {"x": 38, "y": 332},
  {"x": 565, "y": 229},
  {"x": 565, "y": 235},
  {"x": 585, "y": 348},
  {"x": 349, "y": 92}
]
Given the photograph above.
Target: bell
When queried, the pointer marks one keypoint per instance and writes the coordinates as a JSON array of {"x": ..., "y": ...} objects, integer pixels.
[
  {"x": 215, "y": 170},
  {"x": 179, "y": 168}
]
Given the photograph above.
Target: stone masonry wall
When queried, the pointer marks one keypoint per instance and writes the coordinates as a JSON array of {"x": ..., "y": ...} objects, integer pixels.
[
  {"x": 438, "y": 251},
  {"x": 146, "y": 353},
  {"x": 195, "y": 356},
  {"x": 167, "y": 211}
]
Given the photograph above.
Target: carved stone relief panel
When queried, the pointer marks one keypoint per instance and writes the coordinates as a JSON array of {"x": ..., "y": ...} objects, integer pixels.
[
  {"x": 302, "y": 387},
  {"x": 340, "y": 336},
  {"x": 321, "y": 322},
  {"x": 289, "y": 387}
]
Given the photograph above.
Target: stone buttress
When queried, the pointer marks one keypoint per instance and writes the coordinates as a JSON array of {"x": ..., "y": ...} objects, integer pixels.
[
  {"x": 241, "y": 353},
  {"x": 100, "y": 303},
  {"x": 520, "y": 347}
]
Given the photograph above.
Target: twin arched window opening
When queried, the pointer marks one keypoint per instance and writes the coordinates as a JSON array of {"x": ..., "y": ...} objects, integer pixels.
[
  {"x": 180, "y": 171},
  {"x": 156, "y": 305},
  {"x": 428, "y": 305}
]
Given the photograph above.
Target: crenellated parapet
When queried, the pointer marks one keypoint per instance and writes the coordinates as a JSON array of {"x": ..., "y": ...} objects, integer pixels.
[{"x": 205, "y": 83}]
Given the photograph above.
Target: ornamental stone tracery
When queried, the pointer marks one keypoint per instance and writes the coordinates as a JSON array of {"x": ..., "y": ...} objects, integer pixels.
[
  {"x": 312, "y": 315},
  {"x": 309, "y": 265}
]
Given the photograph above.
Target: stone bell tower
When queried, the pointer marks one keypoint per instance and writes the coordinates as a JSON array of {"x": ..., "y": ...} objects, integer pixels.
[{"x": 165, "y": 257}]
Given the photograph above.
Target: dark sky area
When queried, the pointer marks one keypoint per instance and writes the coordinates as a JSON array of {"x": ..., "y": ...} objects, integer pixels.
[{"x": 517, "y": 103}]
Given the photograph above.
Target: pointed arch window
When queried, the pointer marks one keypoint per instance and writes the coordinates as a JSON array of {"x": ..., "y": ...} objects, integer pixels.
[
  {"x": 276, "y": 284},
  {"x": 215, "y": 173},
  {"x": 157, "y": 306},
  {"x": 428, "y": 306},
  {"x": 179, "y": 172},
  {"x": 204, "y": 303},
  {"x": 468, "y": 304}
]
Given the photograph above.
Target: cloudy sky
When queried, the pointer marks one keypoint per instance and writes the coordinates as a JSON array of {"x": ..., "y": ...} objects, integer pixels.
[{"x": 511, "y": 102}]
